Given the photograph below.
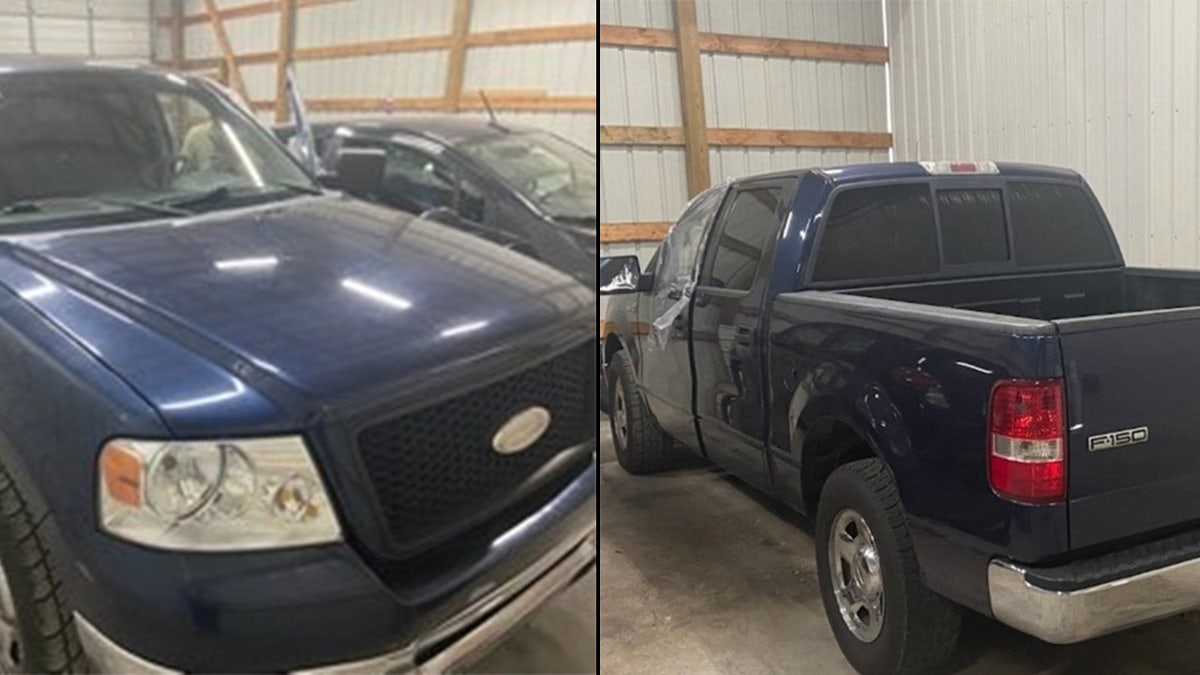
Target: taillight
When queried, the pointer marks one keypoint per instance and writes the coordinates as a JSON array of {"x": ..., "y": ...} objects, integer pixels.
[{"x": 1026, "y": 445}]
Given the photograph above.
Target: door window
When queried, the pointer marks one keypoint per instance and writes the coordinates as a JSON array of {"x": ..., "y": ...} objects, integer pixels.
[
  {"x": 419, "y": 178},
  {"x": 748, "y": 224},
  {"x": 680, "y": 249}
]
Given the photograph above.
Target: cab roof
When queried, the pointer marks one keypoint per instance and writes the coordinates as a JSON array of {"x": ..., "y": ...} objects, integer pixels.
[{"x": 861, "y": 173}]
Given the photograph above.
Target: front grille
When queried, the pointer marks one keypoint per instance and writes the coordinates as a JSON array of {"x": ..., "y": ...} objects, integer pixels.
[{"x": 434, "y": 471}]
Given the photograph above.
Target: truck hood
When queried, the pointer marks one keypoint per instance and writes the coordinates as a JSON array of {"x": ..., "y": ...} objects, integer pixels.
[{"x": 309, "y": 301}]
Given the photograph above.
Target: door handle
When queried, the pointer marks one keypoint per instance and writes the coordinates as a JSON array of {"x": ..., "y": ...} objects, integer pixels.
[{"x": 743, "y": 336}]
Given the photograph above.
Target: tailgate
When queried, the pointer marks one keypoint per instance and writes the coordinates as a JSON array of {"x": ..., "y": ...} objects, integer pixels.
[{"x": 1133, "y": 415}]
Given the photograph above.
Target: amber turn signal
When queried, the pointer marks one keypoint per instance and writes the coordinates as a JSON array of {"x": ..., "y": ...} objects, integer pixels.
[{"x": 122, "y": 472}]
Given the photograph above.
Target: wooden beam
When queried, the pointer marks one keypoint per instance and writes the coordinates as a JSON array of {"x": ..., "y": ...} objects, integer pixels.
[
  {"x": 615, "y": 233},
  {"x": 501, "y": 100},
  {"x": 253, "y": 9},
  {"x": 691, "y": 97},
  {"x": 456, "y": 58},
  {"x": 798, "y": 138},
  {"x": 766, "y": 138},
  {"x": 526, "y": 36},
  {"x": 288, "y": 11},
  {"x": 406, "y": 45},
  {"x": 622, "y": 135},
  {"x": 374, "y": 48},
  {"x": 722, "y": 43},
  {"x": 631, "y": 36},
  {"x": 178, "y": 55},
  {"x": 235, "y": 73},
  {"x": 791, "y": 49}
]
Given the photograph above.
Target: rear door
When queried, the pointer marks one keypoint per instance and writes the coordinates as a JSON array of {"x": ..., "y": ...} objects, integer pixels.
[{"x": 728, "y": 327}]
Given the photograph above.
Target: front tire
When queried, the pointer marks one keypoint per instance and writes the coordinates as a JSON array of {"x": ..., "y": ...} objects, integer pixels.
[
  {"x": 642, "y": 446},
  {"x": 37, "y": 629},
  {"x": 885, "y": 619}
]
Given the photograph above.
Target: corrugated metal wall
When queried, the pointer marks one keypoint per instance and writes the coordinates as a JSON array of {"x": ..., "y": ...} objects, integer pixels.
[
  {"x": 564, "y": 68},
  {"x": 1106, "y": 88},
  {"x": 640, "y": 87},
  {"x": 113, "y": 30}
]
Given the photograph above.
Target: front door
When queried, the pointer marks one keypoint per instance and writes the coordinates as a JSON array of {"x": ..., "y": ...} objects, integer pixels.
[
  {"x": 728, "y": 328},
  {"x": 666, "y": 369}
]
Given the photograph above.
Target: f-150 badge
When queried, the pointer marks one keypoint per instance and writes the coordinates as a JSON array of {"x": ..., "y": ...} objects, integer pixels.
[{"x": 1117, "y": 439}]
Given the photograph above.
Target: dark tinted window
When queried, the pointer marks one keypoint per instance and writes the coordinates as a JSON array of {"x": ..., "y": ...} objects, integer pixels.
[
  {"x": 1055, "y": 224},
  {"x": 748, "y": 224},
  {"x": 879, "y": 232},
  {"x": 973, "y": 229}
]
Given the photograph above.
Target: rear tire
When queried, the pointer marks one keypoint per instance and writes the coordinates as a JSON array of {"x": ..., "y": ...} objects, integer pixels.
[
  {"x": 37, "y": 629},
  {"x": 642, "y": 446},
  {"x": 885, "y": 619}
]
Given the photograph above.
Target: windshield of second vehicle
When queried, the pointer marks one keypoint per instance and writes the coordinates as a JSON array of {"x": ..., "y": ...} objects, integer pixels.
[
  {"x": 78, "y": 146},
  {"x": 554, "y": 174}
]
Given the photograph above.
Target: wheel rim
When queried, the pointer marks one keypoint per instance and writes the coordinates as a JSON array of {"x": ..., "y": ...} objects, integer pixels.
[
  {"x": 10, "y": 645},
  {"x": 620, "y": 416},
  {"x": 856, "y": 574}
]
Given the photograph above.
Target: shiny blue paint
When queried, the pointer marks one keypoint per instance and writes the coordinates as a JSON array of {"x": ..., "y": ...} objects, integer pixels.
[
  {"x": 308, "y": 316},
  {"x": 913, "y": 382}
]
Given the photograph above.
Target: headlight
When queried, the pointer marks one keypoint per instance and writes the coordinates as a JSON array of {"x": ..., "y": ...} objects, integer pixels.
[{"x": 214, "y": 495}]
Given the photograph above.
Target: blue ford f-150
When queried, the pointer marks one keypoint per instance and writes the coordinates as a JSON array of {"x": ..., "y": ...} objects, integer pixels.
[
  {"x": 949, "y": 367},
  {"x": 250, "y": 425}
]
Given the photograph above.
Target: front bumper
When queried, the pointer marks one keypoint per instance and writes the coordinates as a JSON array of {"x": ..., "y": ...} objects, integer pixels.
[
  {"x": 458, "y": 641},
  {"x": 1066, "y": 616}
]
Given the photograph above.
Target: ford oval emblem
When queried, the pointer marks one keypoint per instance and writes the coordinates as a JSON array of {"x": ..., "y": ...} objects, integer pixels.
[{"x": 521, "y": 430}]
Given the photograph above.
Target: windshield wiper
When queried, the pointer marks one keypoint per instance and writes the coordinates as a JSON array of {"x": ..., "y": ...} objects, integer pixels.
[
  {"x": 223, "y": 193},
  {"x": 36, "y": 206}
]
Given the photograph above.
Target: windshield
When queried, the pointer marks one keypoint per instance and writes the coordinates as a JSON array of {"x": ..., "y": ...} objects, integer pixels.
[
  {"x": 108, "y": 145},
  {"x": 557, "y": 176}
]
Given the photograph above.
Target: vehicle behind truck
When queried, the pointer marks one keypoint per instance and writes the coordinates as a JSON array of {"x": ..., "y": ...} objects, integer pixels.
[{"x": 950, "y": 368}]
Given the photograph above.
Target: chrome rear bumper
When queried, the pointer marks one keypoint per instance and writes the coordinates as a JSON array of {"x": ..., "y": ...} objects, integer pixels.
[
  {"x": 468, "y": 635},
  {"x": 1063, "y": 617}
]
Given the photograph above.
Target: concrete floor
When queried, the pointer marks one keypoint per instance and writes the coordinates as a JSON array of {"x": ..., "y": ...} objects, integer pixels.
[{"x": 702, "y": 574}]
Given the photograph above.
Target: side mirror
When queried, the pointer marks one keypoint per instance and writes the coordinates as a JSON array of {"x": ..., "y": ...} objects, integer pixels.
[
  {"x": 623, "y": 274},
  {"x": 359, "y": 171}
]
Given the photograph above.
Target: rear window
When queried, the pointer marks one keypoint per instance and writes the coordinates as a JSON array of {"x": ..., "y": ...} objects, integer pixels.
[
  {"x": 752, "y": 218},
  {"x": 1056, "y": 224},
  {"x": 879, "y": 232},
  {"x": 973, "y": 229}
]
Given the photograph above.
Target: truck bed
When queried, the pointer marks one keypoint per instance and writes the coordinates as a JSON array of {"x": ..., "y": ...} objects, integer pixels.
[
  {"x": 1052, "y": 296},
  {"x": 1129, "y": 351}
]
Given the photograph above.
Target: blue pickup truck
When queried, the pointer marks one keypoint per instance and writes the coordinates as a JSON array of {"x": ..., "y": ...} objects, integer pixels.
[
  {"x": 950, "y": 369},
  {"x": 250, "y": 425}
]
